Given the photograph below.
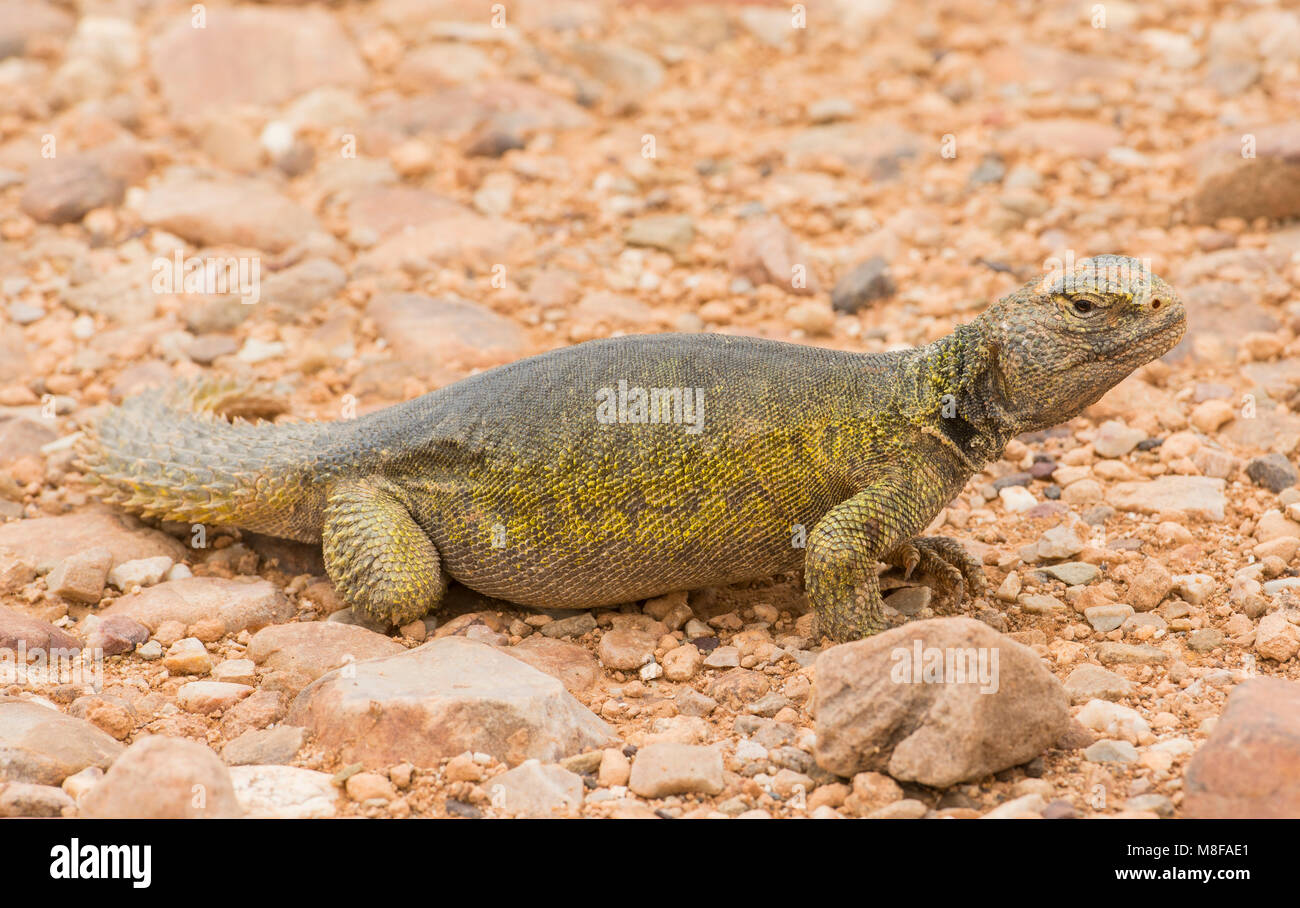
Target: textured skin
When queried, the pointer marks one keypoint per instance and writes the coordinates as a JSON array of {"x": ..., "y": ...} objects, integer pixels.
[{"x": 508, "y": 482}]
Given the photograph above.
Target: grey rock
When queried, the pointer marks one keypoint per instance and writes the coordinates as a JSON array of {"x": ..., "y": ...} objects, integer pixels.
[
  {"x": 1272, "y": 471},
  {"x": 863, "y": 285}
]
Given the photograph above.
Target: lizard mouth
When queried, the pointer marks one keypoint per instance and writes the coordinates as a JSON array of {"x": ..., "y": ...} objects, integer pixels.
[{"x": 1168, "y": 334}]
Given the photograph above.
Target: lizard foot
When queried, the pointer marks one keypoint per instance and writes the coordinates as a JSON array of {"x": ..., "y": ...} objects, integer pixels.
[
  {"x": 954, "y": 571},
  {"x": 380, "y": 560}
]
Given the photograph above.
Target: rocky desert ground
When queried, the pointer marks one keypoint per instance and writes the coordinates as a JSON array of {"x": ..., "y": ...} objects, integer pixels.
[{"x": 358, "y": 202}]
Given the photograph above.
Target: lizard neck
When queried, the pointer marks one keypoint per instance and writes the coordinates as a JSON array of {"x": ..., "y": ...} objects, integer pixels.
[{"x": 957, "y": 395}]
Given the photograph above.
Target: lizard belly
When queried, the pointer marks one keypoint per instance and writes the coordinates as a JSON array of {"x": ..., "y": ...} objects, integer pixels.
[{"x": 560, "y": 549}]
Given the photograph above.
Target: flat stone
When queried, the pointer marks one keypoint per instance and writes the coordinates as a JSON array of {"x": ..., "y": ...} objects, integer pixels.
[
  {"x": 626, "y": 649},
  {"x": 22, "y": 799},
  {"x": 265, "y": 746},
  {"x": 61, "y": 191},
  {"x": 238, "y": 603},
  {"x": 257, "y": 56},
  {"x": 1066, "y": 136},
  {"x": 139, "y": 572},
  {"x": 81, "y": 577},
  {"x": 207, "y": 697},
  {"x": 422, "y": 329},
  {"x": 163, "y": 778},
  {"x": 909, "y": 600},
  {"x": 1114, "y": 439},
  {"x": 873, "y": 148},
  {"x": 467, "y": 241},
  {"x": 34, "y": 634},
  {"x": 294, "y": 655},
  {"x": 43, "y": 746},
  {"x": 388, "y": 209},
  {"x": 188, "y": 656},
  {"x": 536, "y": 790},
  {"x": 1090, "y": 682},
  {"x": 442, "y": 699},
  {"x": 739, "y": 687},
  {"x": 297, "y": 289},
  {"x": 1073, "y": 573},
  {"x": 877, "y": 712},
  {"x": 664, "y": 768},
  {"x": 233, "y": 211},
  {"x": 672, "y": 233},
  {"x": 1111, "y": 720},
  {"x": 1111, "y": 653},
  {"x": 574, "y": 626},
  {"x": 1108, "y": 751},
  {"x": 1105, "y": 618},
  {"x": 1199, "y": 497},
  {"x": 284, "y": 792},
  {"x": 1205, "y": 639},
  {"x": 117, "y": 634}
]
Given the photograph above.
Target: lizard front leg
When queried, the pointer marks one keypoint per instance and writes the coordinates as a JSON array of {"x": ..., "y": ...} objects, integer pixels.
[
  {"x": 845, "y": 545},
  {"x": 378, "y": 557}
]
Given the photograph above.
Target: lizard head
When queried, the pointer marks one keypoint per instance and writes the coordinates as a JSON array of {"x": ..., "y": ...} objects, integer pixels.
[{"x": 1062, "y": 341}]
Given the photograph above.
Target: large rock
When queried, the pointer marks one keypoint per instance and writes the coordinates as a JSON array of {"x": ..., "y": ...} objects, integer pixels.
[
  {"x": 878, "y": 710},
  {"x": 233, "y": 211},
  {"x": 164, "y": 779},
  {"x": 442, "y": 699},
  {"x": 45, "y": 541},
  {"x": 1191, "y": 496},
  {"x": 252, "y": 55},
  {"x": 295, "y": 655},
  {"x": 43, "y": 746},
  {"x": 239, "y": 603},
  {"x": 1233, "y": 183},
  {"x": 1250, "y": 767}
]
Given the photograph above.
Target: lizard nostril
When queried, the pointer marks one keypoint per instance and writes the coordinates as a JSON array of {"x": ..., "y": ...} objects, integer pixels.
[{"x": 1156, "y": 304}]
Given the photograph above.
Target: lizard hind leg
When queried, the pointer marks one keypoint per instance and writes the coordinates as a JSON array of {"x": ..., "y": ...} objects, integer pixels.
[
  {"x": 954, "y": 570},
  {"x": 378, "y": 557}
]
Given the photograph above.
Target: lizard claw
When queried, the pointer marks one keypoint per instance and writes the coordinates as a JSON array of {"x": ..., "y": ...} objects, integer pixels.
[{"x": 955, "y": 573}]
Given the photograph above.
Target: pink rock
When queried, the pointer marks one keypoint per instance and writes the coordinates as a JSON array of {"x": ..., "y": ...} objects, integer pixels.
[
  {"x": 442, "y": 699},
  {"x": 239, "y": 603},
  {"x": 252, "y": 55}
]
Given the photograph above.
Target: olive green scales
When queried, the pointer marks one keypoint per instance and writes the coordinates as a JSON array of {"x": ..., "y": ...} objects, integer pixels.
[{"x": 545, "y": 483}]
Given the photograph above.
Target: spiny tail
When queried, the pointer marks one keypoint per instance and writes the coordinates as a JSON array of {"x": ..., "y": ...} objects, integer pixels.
[{"x": 186, "y": 453}]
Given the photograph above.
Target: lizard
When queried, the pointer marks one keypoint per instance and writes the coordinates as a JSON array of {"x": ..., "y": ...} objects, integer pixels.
[{"x": 626, "y": 468}]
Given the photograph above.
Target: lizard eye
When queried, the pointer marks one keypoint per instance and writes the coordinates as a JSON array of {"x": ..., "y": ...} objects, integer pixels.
[{"x": 1081, "y": 306}]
